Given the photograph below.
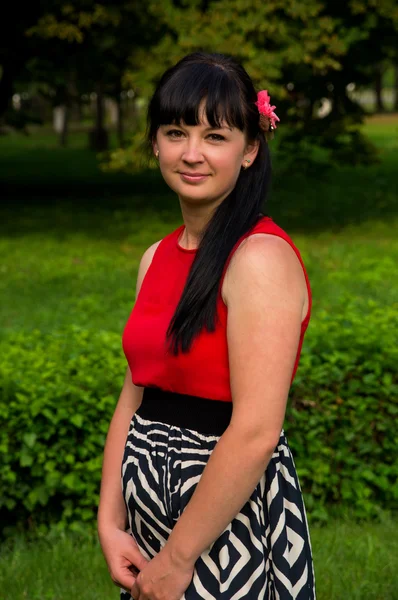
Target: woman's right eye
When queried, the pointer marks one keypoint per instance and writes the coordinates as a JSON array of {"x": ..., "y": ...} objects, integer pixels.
[{"x": 174, "y": 133}]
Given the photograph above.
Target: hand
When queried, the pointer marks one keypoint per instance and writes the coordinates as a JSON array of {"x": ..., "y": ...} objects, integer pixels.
[
  {"x": 162, "y": 579},
  {"x": 123, "y": 557}
]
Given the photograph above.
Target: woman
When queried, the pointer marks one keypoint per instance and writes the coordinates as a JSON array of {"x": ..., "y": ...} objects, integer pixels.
[{"x": 210, "y": 504}]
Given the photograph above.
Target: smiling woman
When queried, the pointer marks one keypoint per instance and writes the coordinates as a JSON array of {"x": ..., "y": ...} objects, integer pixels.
[
  {"x": 210, "y": 505},
  {"x": 202, "y": 154}
]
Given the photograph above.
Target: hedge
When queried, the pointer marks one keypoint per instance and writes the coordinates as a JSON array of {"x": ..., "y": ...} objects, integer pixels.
[
  {"x": 343, "y": 408},
  {"x": 58, "y": 393}
]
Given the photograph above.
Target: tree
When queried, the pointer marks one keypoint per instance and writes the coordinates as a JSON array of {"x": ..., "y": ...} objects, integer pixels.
[
  {"x": 102, "y": 40},
  {"x": 15, "y": 48},
  {"x": 395, "y": 107},
  {"x": 301, "y": 51}
]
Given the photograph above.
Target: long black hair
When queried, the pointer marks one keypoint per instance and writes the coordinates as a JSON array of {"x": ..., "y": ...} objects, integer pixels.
[{"x": 229, "y": 95}]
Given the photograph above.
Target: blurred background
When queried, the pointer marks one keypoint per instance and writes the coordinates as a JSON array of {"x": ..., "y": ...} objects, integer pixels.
[{"x": 80, "y": 205}]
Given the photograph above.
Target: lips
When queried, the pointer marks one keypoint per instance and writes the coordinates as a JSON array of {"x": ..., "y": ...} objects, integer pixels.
[
  {"x": 194, "y": 174},
  {"x": 193, "y": 177}
]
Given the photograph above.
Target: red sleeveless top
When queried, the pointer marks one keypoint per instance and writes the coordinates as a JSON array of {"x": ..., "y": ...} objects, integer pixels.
[{"x": 204, "y": 370}]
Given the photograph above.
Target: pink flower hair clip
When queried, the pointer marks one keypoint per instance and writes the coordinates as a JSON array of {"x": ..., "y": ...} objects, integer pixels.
[{"x": 268, "y": 118}]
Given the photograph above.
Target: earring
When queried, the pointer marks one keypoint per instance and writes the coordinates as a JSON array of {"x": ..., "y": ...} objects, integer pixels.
[
  {"x": 248, "y": 163},
  {"x": 157, "y": 153}
]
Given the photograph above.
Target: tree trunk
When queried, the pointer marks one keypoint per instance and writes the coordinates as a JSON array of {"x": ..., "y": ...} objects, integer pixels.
[
  {"x": 379, "y": 88},
  {"x": 79, "y": 110},
  {"x": 6, "y": 87},
  {"x": 60, "y": 122},
  {"x": 120, "y": 121},
  {"x": 98, "y": 136},
  {"x": 99, "y": 113},
  {"x": 63, "y": 139}
]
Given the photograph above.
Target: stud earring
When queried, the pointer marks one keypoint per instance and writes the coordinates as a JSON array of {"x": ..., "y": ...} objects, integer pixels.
[
  {"x": 248, "y": 163},
  {"x": 157, "y": 153}
]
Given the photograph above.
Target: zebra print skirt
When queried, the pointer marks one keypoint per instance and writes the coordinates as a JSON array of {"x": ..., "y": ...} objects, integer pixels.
[{"x": 264, "y": 553}]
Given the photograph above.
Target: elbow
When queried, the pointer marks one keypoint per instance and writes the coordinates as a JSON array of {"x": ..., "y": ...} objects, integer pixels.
[
  {"x": 268, "y": 444},
  {"x": 260, "y": 441}
]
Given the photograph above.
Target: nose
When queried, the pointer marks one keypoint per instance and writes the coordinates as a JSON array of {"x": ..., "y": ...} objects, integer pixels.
[{"x": 192, "y": 152}]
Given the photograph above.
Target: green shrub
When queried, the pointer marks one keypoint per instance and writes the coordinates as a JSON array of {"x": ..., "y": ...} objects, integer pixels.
[
  {"x": 58, "y": 392},
  {"x": 343, "y": 409}
]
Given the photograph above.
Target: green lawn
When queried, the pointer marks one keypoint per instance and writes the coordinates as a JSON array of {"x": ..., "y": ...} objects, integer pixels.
[
  {"x": 352, "y": 562},
  {"x": 71, "y": 236}
]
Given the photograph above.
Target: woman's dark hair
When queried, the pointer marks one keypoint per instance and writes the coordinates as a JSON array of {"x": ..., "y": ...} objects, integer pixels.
[{"x": 229, "y": 95}]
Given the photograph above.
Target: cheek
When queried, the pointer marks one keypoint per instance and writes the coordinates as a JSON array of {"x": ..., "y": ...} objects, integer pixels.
[
  {"x": 230, "y": 155},
  {"x": 168, "y": 165},
  {"x": 169, "y": 177},
  {"x": 168, "y": 161},
  {"x": 229, "y": 165},
  {"x": 169, "y": 153}
]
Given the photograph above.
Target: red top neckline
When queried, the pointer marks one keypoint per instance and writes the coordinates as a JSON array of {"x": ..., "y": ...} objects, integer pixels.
[
  {"x": 180, "y": 230},
  {"x": 193, "y": 250}
]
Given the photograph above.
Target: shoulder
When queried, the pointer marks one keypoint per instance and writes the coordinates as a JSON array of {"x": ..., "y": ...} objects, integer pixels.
[
  {"x": 145, "y": 263},
  {"x": 148, "y": 255},
  {"x": 262, "y": 262}
]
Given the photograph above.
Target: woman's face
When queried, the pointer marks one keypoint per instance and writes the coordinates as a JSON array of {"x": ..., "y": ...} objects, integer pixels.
[{"x": 200, "y": 163}]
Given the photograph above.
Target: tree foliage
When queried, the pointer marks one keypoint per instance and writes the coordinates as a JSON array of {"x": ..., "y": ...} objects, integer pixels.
[
  {"x": 303, "y": 51},
  {"x": 102, "y": 37}
]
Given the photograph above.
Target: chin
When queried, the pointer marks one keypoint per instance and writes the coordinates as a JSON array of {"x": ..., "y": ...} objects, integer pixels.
[
  {"x": 194, "y": 198},
  {"x": 195, "y": 192}
]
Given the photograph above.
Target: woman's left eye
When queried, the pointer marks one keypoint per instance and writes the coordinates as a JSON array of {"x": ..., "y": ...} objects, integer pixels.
[{"x": 216, "y": 137}]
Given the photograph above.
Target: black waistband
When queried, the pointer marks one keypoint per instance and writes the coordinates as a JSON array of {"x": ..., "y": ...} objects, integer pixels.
[{"x": 206, "y": 416}]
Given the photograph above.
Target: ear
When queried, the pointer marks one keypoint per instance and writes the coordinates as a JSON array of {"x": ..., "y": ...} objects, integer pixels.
[
  {"x": 155, "y": 146},
  {"x": 251, "y": 150}
]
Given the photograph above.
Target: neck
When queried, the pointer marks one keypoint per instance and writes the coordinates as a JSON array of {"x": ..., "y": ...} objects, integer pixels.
[
  {"x": 195, "y": 224},
  {"x": 195, "y": 220}
]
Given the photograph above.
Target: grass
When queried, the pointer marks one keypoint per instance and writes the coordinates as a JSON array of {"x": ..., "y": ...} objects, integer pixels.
[
  {"x": 71, "y": 236},
  {"x": 351, "y": 561},
  {"x": 55, "y": 277}
]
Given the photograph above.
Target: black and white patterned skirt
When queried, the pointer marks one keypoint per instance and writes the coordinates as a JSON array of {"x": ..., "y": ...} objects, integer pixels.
[{"x": 264, "y": 553}]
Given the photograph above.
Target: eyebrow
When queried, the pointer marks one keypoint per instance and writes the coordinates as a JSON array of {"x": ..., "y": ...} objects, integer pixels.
[
  {"x": 207, "y": 128},
  {"x": 224, "y": 127}
]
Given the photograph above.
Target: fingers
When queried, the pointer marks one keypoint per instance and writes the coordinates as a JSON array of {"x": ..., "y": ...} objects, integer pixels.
[
  {"x": 135, "y": 591},
  {"x": 136, "y": 558},
  {"x": 124, "y": 558},
  {"x": 124, "y": 578}
]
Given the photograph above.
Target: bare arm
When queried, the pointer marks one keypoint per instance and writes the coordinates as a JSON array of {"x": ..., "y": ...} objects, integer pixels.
[
  {"x": 112, "y": 511},
  {"x": 112, "y": 516},
  {"x": 266, "y": 294}
]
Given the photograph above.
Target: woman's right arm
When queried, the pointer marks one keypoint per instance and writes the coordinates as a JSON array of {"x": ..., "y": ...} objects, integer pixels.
[
  {"x": 112, "y": 510},
  {"x": 119, "y": 548}
]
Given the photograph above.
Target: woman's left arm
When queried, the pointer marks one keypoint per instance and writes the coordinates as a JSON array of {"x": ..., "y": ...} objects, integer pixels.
[{"x": 265, "y": 298}]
